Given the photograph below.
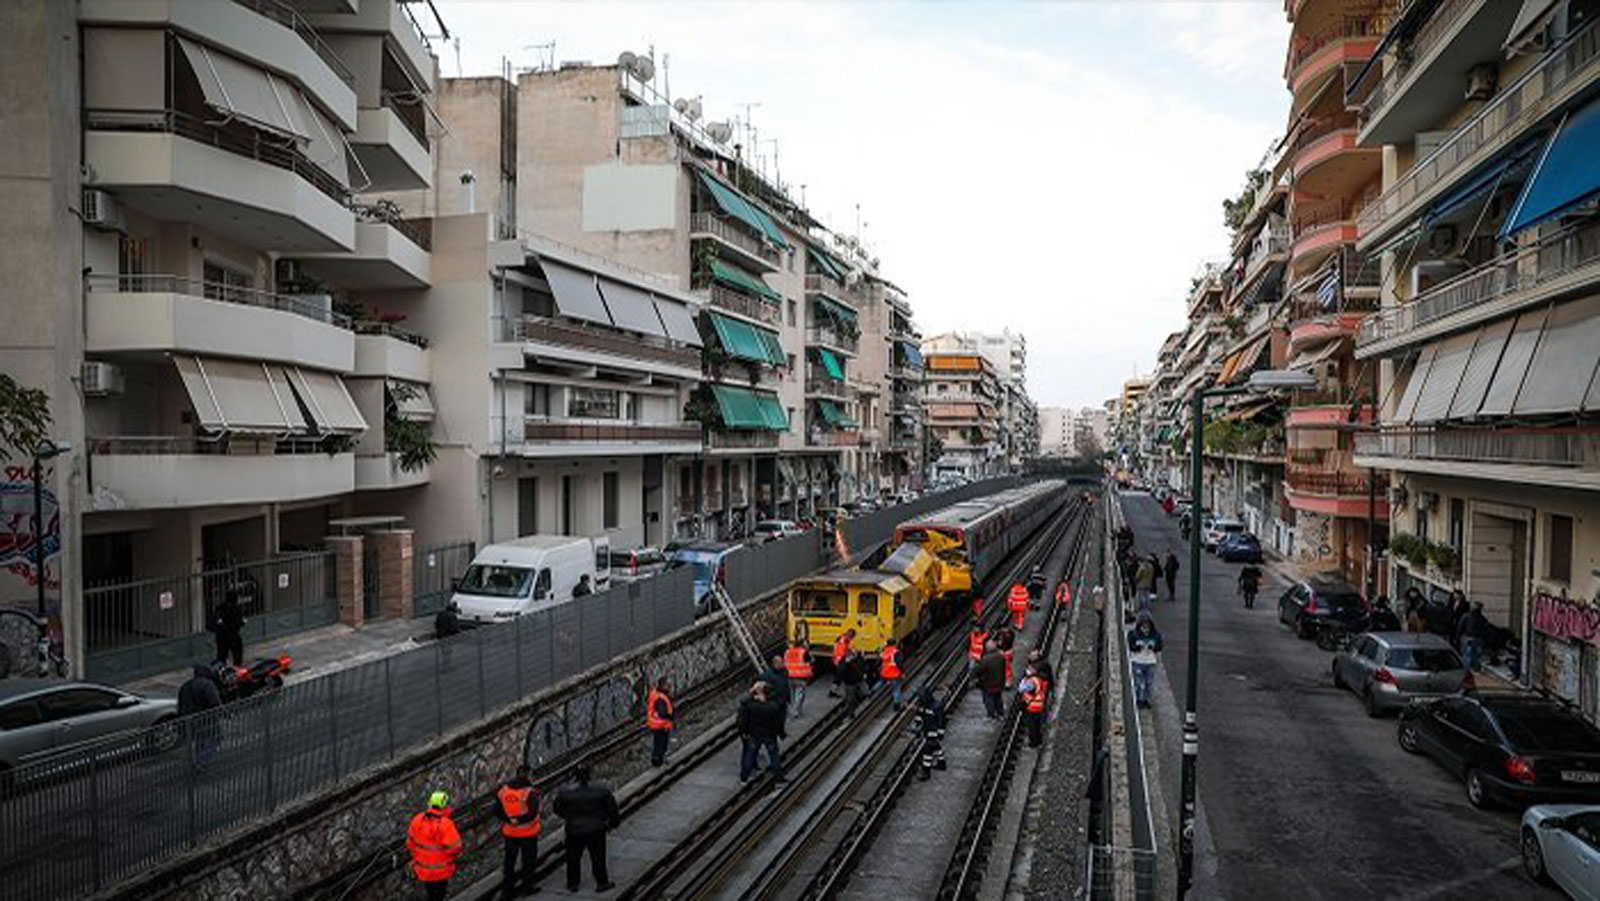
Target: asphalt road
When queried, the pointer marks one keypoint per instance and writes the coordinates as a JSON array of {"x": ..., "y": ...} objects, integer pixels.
[{"x": 1304, "y": 796}]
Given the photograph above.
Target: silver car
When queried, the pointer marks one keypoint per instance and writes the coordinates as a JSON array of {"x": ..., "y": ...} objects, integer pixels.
[
  {"x": 41, "y": 717},
  {"x": 1391, "y": 669}
]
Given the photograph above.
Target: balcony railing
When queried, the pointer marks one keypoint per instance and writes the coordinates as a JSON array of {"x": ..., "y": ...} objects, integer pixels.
[
  {"x": 743, "y": 304},
  {"x": 1307, "y": 47},
  {"x": 411, "y": 113},
  {"x": 417, "y": 231},
  {"x": 741, "y": 440},
  {"x": 222, "y": 446},
  {"x": 1549, "y": 446},
  {"x": 572, "y": 334},
  {"x": 824, "y": 438},
  {"x": 1307, "y": 308},
  {"x": 817, "y": 283},
  {"x": 708, "y": 224},
  {"x": 832, "y": 337},
  {"x": 239, "y": 140},
  {"x": 286, "y": 16},
  {"x": 566, "y": 430},
  {"x": 1513, "y": 109},
  {"x": 1421, "y": 44},
  {"x": 389, "y": 330},
  {"x": 1326, "y": 482},
  {"x": 314, "y": 306},
  {"x": 1558, "y": 256},
  {"x": 826, "y": 387}
]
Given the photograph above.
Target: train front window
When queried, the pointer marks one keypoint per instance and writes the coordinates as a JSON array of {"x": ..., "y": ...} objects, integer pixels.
[
  {"x": 867, "y": 603},
  {"x": 824, "y": 603}
]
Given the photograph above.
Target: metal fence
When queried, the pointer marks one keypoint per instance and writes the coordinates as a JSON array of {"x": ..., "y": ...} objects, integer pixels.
[{"x": 433, "y": 572}]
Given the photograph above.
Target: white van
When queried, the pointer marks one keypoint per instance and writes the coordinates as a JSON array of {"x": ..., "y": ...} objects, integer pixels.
[{"x": 532, "y": 573}]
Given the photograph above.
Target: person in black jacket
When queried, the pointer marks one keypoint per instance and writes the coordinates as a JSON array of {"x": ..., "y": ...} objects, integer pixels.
[
  {"x": 760, "y": 726},
  {"x": 852, "y": 678},
  {"x": 228, "y": 626},
  {"x": 930, "y": 725},
  {"x": 588, "y": 811},
  {"x": 447, "y": 622},
  {"x": 990, "y": 674},
  {"x": 199, "y": 694},
  {"x": 777, "y": 679}
]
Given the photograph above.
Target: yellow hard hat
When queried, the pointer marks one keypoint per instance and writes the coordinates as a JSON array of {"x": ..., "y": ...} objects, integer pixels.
[{"x": 439, "y": 800}]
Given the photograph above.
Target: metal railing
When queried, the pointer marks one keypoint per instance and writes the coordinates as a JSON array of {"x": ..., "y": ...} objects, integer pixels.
[
  {"x": 239, "y": 140},
  {"x": 743, "y": 304},
  {"x": 823, "y": 386},
  {"x": 1557, "y": 256},
  {"x": 1309, "y": 46},
  {"x": 227, "y": 445},
  {"x": 1516, "y": 107},
  {"x": 568, "y": 430},
  {"x": 388, "y": 330},
  {"x": 418, "y": 231},
  {"x": 318, "y": 307},
  {"x": 741, "y": 439},
  {"x": 1548, "y": 446},
  {"x": 434, "y": 570},
  {"x": 574, "y": 334},
  {"x": 1439, "y": 21},
  {"x": 1328, "y": 482},
  {"x": 832, "y": 337},
  {"x": 708, "y": 224},
  {"x": 286, "y": 16},
  {"x": 827, "y": 285},
  {"x": 824, "y": 436}
]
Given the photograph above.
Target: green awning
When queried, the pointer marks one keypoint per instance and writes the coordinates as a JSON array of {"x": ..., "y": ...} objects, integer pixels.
[
  {"x": 734, "y": 204},
  {"x": 747, "y": 342},
  {"x": 830, "y": 363},
  {"x": 838, "y": 312},
  {"x": 740, "y": 280},
  {"x": 831, "y": 414},
  {"x": 774, "y": 347},
  {"x": 745, "y": 409},
  {"x": 826, "y": 264},
  {"x": 772, "y": 409}
]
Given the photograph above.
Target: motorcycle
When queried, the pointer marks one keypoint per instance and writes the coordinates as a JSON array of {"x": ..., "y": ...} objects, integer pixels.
[
  {"x": 1333, "y": 635},
  {"x": 240, "y": 682}
]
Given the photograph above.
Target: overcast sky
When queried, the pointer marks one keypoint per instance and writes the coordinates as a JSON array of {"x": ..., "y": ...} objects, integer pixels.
[{"x": 1057, "y": 167}]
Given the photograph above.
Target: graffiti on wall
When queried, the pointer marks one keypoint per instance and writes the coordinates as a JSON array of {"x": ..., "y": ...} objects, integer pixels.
[
  {"x": 1313, "y": 538},
  {"x": 19, "y": 546},
  {"x": 1563, "y": 618}
]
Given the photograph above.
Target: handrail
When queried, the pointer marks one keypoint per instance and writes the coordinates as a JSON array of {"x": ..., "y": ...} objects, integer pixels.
[
  {"x": 1532, "y": 445},
  {"x": 709, "y": 223},
  {"x": 743, "y": 304},
  {"x": 388, "y": 330},
  {"x": 561, "y": 331},
  {"x": 1311, "y": 45},
  {"x": 1422, "y": 42},
  {"x": 292, "y": 20},
  {"x": 300, "y": 305},
  {"x": 242, "y": 446}
]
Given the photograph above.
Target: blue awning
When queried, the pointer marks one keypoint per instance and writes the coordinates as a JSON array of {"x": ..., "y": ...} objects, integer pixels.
[
  {"x": 1411, "y": 18},
  {"x": 1568, "y": 174},
  {"x": 914, "y": 357},
  {"x": 1510, "y": 164}
]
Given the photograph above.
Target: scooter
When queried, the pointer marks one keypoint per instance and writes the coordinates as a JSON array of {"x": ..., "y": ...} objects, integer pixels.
[{"x": 240, "y": 682}]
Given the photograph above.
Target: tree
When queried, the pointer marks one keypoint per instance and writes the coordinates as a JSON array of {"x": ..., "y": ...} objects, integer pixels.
[
  {"x": 1234, "y": 211},
  {"x": 24, "y": 418}
]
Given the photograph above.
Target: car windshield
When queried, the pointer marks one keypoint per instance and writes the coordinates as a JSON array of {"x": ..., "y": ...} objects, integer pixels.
[
  {"x": 1548, "y": 730},
  {"x": 831, "y": 602},
  {"x": 1431, "y": 660},
  {"x": 497, "y": 580}
]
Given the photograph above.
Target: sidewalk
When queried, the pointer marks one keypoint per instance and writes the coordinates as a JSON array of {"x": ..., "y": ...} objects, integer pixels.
[{"x": 316, "y": 652}]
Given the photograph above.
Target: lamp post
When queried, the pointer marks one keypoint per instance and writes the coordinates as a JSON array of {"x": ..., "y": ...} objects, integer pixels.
[
  {"x": 1264, "y": 381},
  {"x": 47, "y": 450}
]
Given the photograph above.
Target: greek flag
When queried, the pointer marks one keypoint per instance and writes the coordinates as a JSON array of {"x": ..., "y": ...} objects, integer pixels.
[{"x": 1328, "y": 291}]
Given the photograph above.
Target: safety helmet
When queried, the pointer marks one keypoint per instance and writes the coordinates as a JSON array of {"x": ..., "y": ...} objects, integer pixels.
[{"x": 439, "y": 800}]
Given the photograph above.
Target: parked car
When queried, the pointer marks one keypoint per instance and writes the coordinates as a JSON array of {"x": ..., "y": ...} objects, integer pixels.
[
  {"x": 1508, "y": 748},
  {"x": 1310, "y": 603},
  {"x": 710, "y": 562},
  {"x": 42, "y": 717},
  {"x": 1561, "y": 845},
  {"x": 1389, "y": 670},
  {"x": 1218, "y": 529},
  {"x": 1240, "y": 547},
  {"x": 773, "y": 529},
  {"x": 638, "y": 562}
]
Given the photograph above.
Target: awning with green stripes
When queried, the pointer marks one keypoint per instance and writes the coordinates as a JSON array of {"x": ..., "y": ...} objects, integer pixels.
[
  {"x": 740, "y": 280},
  {"x": 826, "y": 264},
  {"x": 745, "y": 409},
  {"x": 747, "y": 342},
  {"x": 734, "y": 204},
  {"x": 831, "y": 414},
  {"x": 837, "y": 312},
  {"x": 830, "y": 363}
]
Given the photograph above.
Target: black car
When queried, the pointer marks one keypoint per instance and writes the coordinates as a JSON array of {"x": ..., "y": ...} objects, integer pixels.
[
  {"x": 1309, "y": 604},
  {"x": 1513, "y": 749},
  {"x": 1240, "y": 547}
]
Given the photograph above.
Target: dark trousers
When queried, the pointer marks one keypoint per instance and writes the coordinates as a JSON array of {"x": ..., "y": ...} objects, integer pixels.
[
  {"x": 994, "y": 704},
  {"x": 751, "y": 753},
  {"x": 436, "y": 890},
  {"x": 595, "y": 844},
  {"x": 1035, "y": 723},
  {"x": 658, "y": 746},
  {"x": 230, "y": 645},
  {"x": 852, "y": 699},
  {"x": 514, "y": 879}
]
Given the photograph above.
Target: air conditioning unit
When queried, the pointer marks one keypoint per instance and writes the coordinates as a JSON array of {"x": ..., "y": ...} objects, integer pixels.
[
  {"x": 1481, "y": 81},
  {"x": 101, "y": 379},
  {"x": 101, "y": 210}
]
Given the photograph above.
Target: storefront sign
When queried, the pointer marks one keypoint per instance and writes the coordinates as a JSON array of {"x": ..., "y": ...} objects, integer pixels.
[{"x": 1564, "y": 619}]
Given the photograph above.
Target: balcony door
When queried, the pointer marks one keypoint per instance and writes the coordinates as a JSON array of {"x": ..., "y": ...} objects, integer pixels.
[{"x": 527, "y": 506}]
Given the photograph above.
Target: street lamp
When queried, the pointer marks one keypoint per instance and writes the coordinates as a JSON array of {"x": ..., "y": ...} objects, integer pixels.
[
  {"x": 47, "y": 450},
  {"x": 1263, "y": 381}
]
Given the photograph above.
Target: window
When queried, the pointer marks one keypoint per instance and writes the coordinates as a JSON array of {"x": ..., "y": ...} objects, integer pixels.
[
  {"x": 593, "y": 403},
  {"x": 610, "y": 500},
  {"x": 527, "y": 506},
  {"x": 792, "y": 309},
  {"x": 541, "y": 588},
  {"x": 1558, "y": 567},
  {"x": 1423, "y": 522},
  {"x": 76, "y": 702},
  {"x": 867, "y": 603},
  {"x": 536, "y": 400},
  {"x": 19, "y": 715},
  {"x": 790, "y": 358},
  {"x": 495, "y": 581},
  {"x": 567, "y": 492},
  {"x": 1458, "y": 526},
  {"x": 131, "y": 256}
]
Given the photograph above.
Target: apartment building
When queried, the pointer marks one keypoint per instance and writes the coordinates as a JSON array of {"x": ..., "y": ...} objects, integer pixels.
[
  {"x": 962, "y": 394},
  {"x": 1092, "y": 432},
  {"x": 212, "y": 296},
  {"x": 1487, "y": 119},
  {"x": 1057, "y": 431},
  {"x": 1007, "y": 353}
]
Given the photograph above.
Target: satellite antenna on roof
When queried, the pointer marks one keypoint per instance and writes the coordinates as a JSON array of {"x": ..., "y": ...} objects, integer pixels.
[
  {"x": 688, "y": 107},
  {"x": 640, "y": 67},
  {"x": 719, "y": 131}
]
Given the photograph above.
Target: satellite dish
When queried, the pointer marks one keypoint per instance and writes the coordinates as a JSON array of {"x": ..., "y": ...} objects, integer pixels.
[
  {"x": 719, "y": 131},
  {"x": 644, "y": 67},
  {"x": 627, "y": 59},
  {"x": 694, "y": 111},
  {"x": 681, "y": 105}
]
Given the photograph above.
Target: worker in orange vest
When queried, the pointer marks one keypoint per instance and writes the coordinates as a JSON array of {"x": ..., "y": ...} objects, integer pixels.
[
  {"x": 1017, "y": 601},
  {"x": 797, "y": 664},
  {"x": 1035, "y": 690},
  {"x": 975, "y": 640},
  {"x": 434, "y": 844},
  {"x": 889, "y": 671},
  {"x": 658, "y": 719},
  {"x": 1005, "y": 640},
  {"x": 841, "y": 648},
  {"x": 518, "y": 811}
]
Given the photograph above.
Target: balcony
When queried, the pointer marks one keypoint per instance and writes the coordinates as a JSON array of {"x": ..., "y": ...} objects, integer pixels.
[
  {"x": 153, "y": 314},
  {"x": 392, "y": 146},
  {"x": 234, "y": 181},
  {"x": 1558, "y": 265},
  {"x": 1553, "y": 456},
  {"x": 1314, "y": 56},
  {"x": 588, "y": 437},
  {"x": 1328, "y": 162},
  {"x": 585, "y": 343},
  {"x": 723, "y": 439},
  {"x": 391, "y": 20},
  {"x": 381, "y": 472},
  {"x": 821, "y": 386},
  {"x": 1539, "y": 93},
  {"x": 1332, "y": 492},
  {"x": 384, "y": 351},
  {"x": 751, "y": 251},
  {"x": 824, "y": 438},
  {"x": 741, "y": 304},
  {"x": 389, "y": 255},
  {"x": 833, "y": 338},
  {"x": 163, "y": 473},
  {"x": 1319, "y": 234},
  {"x": 827, "y": 286}
]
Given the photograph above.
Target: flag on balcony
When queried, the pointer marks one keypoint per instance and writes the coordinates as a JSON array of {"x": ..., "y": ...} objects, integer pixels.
[{"x": 1328, "y": 290}]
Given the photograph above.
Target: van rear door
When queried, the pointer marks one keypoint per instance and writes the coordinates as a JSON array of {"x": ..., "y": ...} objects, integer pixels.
[{"x": 602, "y": 564}]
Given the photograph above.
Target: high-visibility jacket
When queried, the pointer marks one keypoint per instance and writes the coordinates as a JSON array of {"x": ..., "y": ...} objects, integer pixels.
[
  {"x": 975, "y": 642},
  {"x": 1035, "y": 694},
  {"x": 1018, "y": 598},
  {"x": 889, "y": 663},
  {"x": 1008, "y": 655},
  {"x": 521, "y": 810},
  {"x": 434, "y": 844},
  {"x": 797, "y": 662},
  {"x": 652, "y": 718},
  {"x": 841, "y": 647},
  {"x": 1064, "y": 594}
]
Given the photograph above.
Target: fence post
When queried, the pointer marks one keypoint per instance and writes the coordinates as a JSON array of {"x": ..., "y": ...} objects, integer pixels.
[
  {"x": 516, "y": 652},
  {"x": 194, "y": 772},
  {"x": 388, "y": 704},
  {"x": 438, "y": 684},
  {"x": 483, "y": 689},
  {"x": 94, "y": 818},
  {"x": 266, "y": 751}
]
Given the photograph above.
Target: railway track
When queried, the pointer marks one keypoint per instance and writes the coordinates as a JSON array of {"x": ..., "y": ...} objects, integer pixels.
[{"x": 699, "y": 865}]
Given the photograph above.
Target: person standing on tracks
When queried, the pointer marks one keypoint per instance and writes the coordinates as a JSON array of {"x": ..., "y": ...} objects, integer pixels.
[
  {"x": 1035, "y": 690},
  {"x": 841, "y": 649},
  {"x": 658, "y": 718},
  {"x": 1169, "y": 570},
  {"x": 517, "y": 807},
  {"x": 797, "y": 665},
  {"x": 889, "y": 671},
  {"x": 1144, "y": 652},
  {"x": 976, "y": 639},
  {"x": 588, "y": 810},
  {"x": 1017, "y": 603},
  {"x": 853, "y": 676},
  {"x": 930, "y": 725},
  {"x": 777, "y": 679},
  {"x": 760, "y": 724},
  {"x": 434, "y": 843},
  {"x": 990, "y": 674},
  {"x": 1006, "y": 641}
]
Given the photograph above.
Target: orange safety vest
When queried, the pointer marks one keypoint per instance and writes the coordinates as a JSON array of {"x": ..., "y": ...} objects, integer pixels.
[
  {"x": 1008, "y": 655},
  {"x": 889, "y": 665},
  {"x": 1035, "y": 696},
  {"x": 1017, "y": 599},
  {"x": 841, "y": 647},
  {"x": 654, "y": 721},
  {"x": 434, "y": 844},
  {"x": 975, "y": 643},
  {"x": 518, "y": 803},
  {"x": 797, "y": 662}
]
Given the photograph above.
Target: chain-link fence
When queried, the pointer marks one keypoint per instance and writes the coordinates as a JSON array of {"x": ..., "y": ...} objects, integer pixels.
[{"x": 1120, "y": 874}]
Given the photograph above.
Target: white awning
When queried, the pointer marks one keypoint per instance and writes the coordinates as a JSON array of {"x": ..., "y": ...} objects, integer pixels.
[
  {"x": 1513, "y": 364},
  {"x": 679, "y": 320},
  {"x": 239, "y": 396},
  {"x": 577, "y": 293},
  {"x": 1529, "y": 25},
  {"x": 1306, "y": 360},
  {"x": 411, "y": 400},
  {"x": 1449, "y": 363},
  {"x": 325, "y": 395},
  {"x": 1419, "y": 377},
  {"x": 236, "y": 88},
  {"x": 1564, "y": 362},
  {"x": 325, "y": 144},
  {"x": 1480, "y": 369},
  {"x": 631, "y": 308}
]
